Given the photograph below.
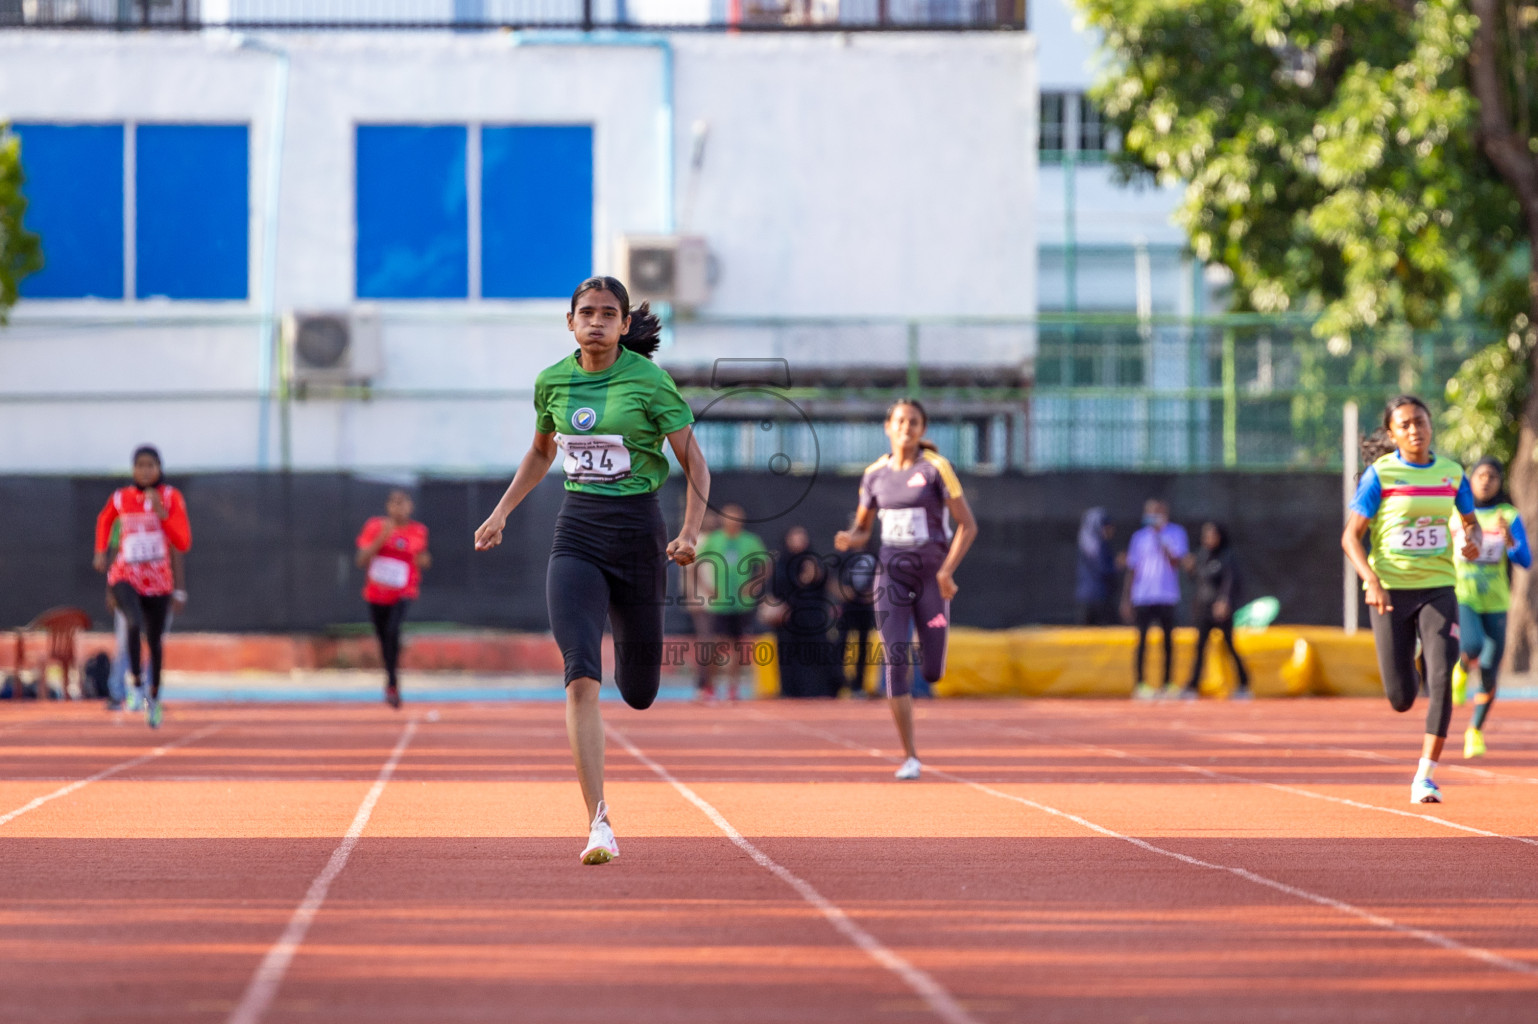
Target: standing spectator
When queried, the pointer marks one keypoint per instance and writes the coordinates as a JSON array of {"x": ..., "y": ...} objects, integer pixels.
[
  {"x": 855, "y": 588},
  {"x": 733, "y": 584},
  {"x": 1217, "y": 595},
  {"x": 1152, "y": 590},
  {"x": 699, "y": 615},
  {"x": 1097, "y": 587},
  {"x": 802, "y": 615}
]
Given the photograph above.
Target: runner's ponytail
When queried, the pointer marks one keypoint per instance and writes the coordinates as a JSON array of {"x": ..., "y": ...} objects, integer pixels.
[{"x": 645, "y": 332}]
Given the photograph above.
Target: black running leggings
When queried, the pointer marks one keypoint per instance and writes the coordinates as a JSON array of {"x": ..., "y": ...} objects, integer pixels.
[
  {"x": 1144, "y": 616},
  {"x": 1432, "y": 615},
  {"x": 146, "y": 615},
  {"x": 387, "y": 619},
  {"x": 1206, "y": 623},
  {"x": 608, "y": 561}
]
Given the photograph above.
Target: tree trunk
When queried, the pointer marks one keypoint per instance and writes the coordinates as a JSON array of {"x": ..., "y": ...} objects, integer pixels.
[{"x": 1518, "y": 167}]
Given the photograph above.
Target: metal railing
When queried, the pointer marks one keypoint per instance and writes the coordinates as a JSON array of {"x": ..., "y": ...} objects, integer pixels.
[
  {"x": 584, "y": 15},
  {"x": 1049, "y": 393}
]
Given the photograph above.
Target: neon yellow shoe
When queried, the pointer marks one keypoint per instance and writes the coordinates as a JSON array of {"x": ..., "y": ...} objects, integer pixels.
[
  {"x": 1473, "y": 742},
  {"x": 1460, "y": 683}
]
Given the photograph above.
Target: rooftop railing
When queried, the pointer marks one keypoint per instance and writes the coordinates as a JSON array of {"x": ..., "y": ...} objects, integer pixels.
[{"x": 471, "y": 15}]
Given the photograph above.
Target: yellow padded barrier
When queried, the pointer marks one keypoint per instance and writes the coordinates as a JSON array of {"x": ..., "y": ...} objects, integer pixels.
[{"x": 1283, "y": 661}]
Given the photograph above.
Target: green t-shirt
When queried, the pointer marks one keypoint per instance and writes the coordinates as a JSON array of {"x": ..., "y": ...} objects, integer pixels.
[
  {"x": 734, "y": 562},
  {"x": 1411, "y": 543},
  {"x": 610, "y": 424},
  {"x": 1482, "y": 584}
]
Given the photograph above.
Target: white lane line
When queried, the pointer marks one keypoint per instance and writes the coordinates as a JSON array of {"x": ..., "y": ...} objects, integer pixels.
[
  {"x": 1228, "y": 777},
  {"x": 269, "y": 974},
  {"x": 1376, "y": 920},
  {"x": 1366, "y": 755},
  {"x": 107, "y": 773},
  {"x": 940, "y": 1001}
]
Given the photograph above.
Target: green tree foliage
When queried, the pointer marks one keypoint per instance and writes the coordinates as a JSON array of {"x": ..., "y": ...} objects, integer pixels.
[
  {"x": 1484, "y": 400},
  {"x": 20, "y": 253},
  {"x": 1328, "y": 152}
]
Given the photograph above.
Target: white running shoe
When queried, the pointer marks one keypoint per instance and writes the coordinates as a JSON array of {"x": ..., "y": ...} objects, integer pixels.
[
  {"x": 1424, "y": 791},
  {"x": 601, "y": 847},
  {"x": 910, "y": 769}
]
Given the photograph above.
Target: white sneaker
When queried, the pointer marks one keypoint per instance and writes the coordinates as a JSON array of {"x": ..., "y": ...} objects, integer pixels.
[
  {"x": 910, "y": 769},
  {"x": 1424, "y": 791},
  {"x": 601, "y": 847}
]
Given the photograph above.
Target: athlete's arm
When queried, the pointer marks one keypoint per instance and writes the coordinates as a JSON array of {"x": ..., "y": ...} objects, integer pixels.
[
  {"x": 966, "y": 533},
  {"x": 1356, "y": 554},
  {"x": 1471, "y": 529},
  {"x": 857, "y": 536},
  {"x": 178, "y": 579},
  {"x": 1516, "y": 544},
  {"x": 697, "y": 475},
  {"x": 174, "y": 521},
  {"x": 104, "y": 522},
  {"x": 536, "y": 463},
  {"x": 367, "y": 549}
]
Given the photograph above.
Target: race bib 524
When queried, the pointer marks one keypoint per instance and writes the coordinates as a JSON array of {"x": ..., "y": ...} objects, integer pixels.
[{"x": 904, "y": 527}]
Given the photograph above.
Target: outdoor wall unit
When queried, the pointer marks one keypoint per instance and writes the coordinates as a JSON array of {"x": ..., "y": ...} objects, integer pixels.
[
  {"x": 665, "y": 268},
  {"x": 333, "y": 347}
]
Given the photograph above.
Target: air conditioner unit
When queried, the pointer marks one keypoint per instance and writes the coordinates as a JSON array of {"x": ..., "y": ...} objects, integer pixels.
[
  {"x": 333, "y": 347},
  {"x": 665, "y": 268}
]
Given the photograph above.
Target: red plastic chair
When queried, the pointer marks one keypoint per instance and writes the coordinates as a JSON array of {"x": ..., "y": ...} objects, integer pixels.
[{"x": 61, "y": 624}]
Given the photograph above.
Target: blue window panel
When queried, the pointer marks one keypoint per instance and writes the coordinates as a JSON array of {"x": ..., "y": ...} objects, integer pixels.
[
  {"x": 74, "y": 192},
  {"x": 536, "y": 210},
  {"x": 192, "y": 211},
  {"x": 413, "y": 213}
]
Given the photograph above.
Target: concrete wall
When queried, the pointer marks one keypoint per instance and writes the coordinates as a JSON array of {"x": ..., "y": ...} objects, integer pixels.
[{"x": 842, "y": 176}]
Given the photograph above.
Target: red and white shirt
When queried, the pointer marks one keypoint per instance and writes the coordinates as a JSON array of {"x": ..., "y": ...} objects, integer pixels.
[
  {"x": 145, "y": 542},
  {"x": 392, "y": 573}
]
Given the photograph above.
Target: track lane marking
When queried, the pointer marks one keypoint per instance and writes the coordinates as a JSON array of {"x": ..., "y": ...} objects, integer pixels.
[
  {"x": 1430, "y": 938},
  {"x": 1279, "y": 787},
  {"x": 940, "y": 1001},
  {"x": 268, "y": 978},
  {"x": 107, "y": 773}
]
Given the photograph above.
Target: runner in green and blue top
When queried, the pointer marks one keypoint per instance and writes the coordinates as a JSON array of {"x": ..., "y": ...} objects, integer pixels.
[
  {"x": 1405, "y": 500},
  {"x": 1484, "y": 595},
  {"x": 608, "y": 408}
]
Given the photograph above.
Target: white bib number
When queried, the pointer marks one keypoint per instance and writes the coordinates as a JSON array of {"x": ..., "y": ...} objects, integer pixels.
[
  {"x": 149, "y": 546},
  {"x": 1415, "y": 540},
  {"x": 595, "y": 458},
  {"x": 1492, "y": 548},
  {"x": 389, "y": 572},
  {"x": 904, "y": 527}
]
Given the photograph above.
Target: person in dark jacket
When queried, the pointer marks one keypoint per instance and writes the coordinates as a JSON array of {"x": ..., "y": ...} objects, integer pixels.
[
  {"x": 1217, "y": 593},
  {"x": 803, "y": 615},
  {"x": 1099, "y": 572}
]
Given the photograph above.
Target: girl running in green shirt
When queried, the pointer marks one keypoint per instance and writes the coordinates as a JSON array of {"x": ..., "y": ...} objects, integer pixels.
[
  {"x": 1405, "y": 499},
  {"x": 1484, "y": 595},
  {"x": 608, "y": 408}
]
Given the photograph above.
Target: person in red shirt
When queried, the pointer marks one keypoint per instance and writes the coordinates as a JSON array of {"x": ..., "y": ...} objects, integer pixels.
[
  {"x": 393, "y": 549},
  {"x": 152, "y": 522}
]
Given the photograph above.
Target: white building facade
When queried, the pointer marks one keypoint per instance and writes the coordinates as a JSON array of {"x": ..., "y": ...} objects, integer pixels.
[{"x": 193, "y": 188}]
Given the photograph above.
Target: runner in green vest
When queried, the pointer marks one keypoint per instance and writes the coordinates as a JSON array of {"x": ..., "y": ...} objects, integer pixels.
[
  {"x": 608, "y": 407},
  {"x": 1405, "y": 500},
  {"x": 1484, "y": 595}
]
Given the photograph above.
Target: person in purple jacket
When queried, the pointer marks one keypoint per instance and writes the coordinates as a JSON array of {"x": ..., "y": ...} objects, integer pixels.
[
  {"x": 914, "y": 493},
  {"x": 1154, "y": 558}
]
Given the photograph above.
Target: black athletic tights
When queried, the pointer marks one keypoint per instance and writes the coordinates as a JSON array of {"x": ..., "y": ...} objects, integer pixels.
[
  {"x": 1432, "y": 615},
  {"x": 608, "y": 561},
  {"x": 146, "y": 615},
  {"x": 387, "y": 619}
]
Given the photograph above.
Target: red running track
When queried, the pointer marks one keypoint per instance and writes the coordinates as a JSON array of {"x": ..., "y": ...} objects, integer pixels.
[{"x": 1059, "y": 861}]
